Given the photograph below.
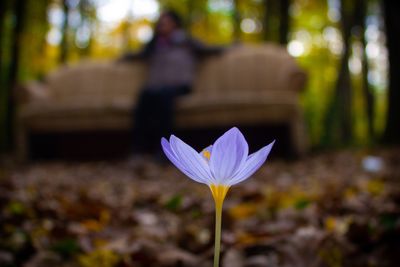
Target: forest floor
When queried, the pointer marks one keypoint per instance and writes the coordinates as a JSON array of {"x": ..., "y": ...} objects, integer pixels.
[{"x": 330, "y": 209}]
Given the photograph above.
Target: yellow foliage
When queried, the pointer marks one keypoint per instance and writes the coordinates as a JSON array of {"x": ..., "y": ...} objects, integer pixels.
[
  {"x": 338, "y": 225},
  {"x": 98, "y": 243},
  {"x": 289, "y": 197},
  {"x": 97, "y": 225},
  {"x": 350, "y": 193},
  {"x": 243, "y": 211},
  {"x": 330, "y": 224},
  {"x": 99, "y": 258},
  {"x": 375, "y": 187},
  {"x": 333, "y": 256},
  {"x": 92, "y": 225},
  {"x": 247, "y": 238}
]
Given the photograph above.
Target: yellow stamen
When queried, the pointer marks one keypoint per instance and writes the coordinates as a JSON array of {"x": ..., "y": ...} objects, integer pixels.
[{"x": 207, "y": 154}]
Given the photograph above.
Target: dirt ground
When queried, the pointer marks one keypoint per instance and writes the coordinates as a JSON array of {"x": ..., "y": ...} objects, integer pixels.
[{"x": 329, "y": 209}]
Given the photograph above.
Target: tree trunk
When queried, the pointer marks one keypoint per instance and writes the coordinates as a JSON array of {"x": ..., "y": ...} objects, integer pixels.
[
  {"x": 87, "y": 11},
  {"x": 19, "y": 14},
  {"x": 2, "y": 18},
  {"x": 392, "y": 23},
  {"x": 360, "y": 16},
  {"x": 343, "y": 86},
  {"x": 284, "y": 21},
  {"x": 276, "y": 20},
  {"x": 269, "y": 19},
  {"x": 340, "y": 109},
  {"x": 65, "y": 29},
  {"x": 16, "y": 42},
  {"x": 344, "y": 95},
  {"x": 2, "y": 21},
  {"x": 190, "y": 19},
  {"x": 3, "y": 89},
  {"x": 236, "y": 22}
]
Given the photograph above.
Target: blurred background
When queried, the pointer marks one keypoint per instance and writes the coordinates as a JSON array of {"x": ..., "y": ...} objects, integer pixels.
[{"x": 341, "y": 46}]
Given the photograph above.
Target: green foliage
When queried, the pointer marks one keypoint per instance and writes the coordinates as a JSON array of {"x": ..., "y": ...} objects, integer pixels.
[
  {"x": 66, "y": 247},
  {"x": 174, "y": 203},
  {"x": 16, "y": 208},
  {"x": 302, "y": 204}
]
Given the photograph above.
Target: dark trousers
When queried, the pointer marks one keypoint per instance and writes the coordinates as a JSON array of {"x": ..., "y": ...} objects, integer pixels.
[{"x": 154, "y": 117}]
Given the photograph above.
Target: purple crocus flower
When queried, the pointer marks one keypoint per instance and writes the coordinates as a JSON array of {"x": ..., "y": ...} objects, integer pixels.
[
  {"x": 221, "y": 165},
  {"x": 225, "y": 163}
]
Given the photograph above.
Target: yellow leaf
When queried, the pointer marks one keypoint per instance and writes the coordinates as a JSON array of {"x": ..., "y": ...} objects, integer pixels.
[
  {"x": 247, "y": 238},
  {"x": 375, "y": 187},
  {"x": 350, "y": 193},
  {"x": 330, "y": 224},
  {"x": 337, "y": 224},
  {"x": 98, "y": 243},
  {"x": 105, "y": 216},
  {"x": 92, "y": 225},
  {"x": 243, "y": 211},
  {"x": 99, "y": 258}
]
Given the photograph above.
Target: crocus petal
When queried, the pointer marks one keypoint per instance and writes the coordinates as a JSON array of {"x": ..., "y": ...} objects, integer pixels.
[
  {"x": 191, "y": 160},
  {"x": 173, "y": 158},
  {"x": 252, "y": 164},
  {"x": 228, "y": 155}
]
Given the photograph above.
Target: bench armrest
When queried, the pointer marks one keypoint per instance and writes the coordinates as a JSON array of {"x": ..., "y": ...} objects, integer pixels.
[
  {"x": 298, "y": 80},
  {"x": 31, "y": 92}
]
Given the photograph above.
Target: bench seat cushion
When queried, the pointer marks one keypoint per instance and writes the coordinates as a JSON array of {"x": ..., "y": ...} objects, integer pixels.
[{"x": 192, "y": 110}]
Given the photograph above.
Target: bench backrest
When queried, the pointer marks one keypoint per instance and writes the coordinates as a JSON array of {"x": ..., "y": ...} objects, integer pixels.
[{"x": 240, "y": 69}]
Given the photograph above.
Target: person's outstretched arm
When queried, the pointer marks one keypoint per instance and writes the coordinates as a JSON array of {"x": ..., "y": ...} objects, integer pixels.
[
  {"x": 133, "y": 56},
  {"x": 203, "y": 50}
]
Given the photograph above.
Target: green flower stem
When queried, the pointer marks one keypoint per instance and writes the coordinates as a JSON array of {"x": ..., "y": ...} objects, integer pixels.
[
  {"x": 219, "y": 193},
  {"x": 218, "y": 220}
]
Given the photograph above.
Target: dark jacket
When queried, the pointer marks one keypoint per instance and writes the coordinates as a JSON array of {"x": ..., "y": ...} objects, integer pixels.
[{"x": 172, "y": 61}]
